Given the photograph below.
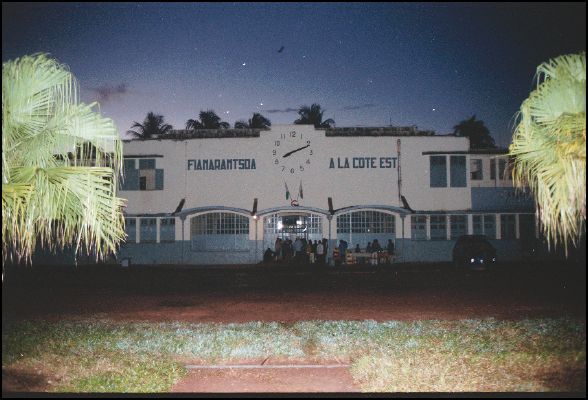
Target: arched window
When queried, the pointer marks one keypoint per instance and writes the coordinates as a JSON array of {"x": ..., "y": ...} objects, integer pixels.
[
  {"x": 308, "y": 226},
  {"x": 361, "y": 227},
  {"x": 219, "y": 231}
]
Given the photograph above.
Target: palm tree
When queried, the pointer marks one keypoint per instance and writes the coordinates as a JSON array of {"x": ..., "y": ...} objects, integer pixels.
[
  {"x": 208, "y": 120},
  {"x": 60, "y": 163},
  {"x": 549, "y": 148},
  {"x": 258, "y": 121},
  {"x": 478, "y": 133},
  {"x": 313, "y": 115},
  {"x": 153, "y": 125}
]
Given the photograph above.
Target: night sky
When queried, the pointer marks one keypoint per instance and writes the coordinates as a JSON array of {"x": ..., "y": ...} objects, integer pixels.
[{"x": 368, "y": 64}]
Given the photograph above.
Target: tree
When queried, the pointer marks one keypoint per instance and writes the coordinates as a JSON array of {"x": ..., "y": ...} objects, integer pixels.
[
  {"x": 60, "y": 163},
  {"x": 313, "y": 115},
  {"x": 477, "y": 133},
  {"x": 208, "y": 120},
  {"x": 549, "y": 148},
  {"x": 258, "y": 121},
  {"x": 152, "y": 125}
]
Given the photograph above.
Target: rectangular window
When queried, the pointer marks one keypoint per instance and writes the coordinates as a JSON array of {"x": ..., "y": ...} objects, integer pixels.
[
  {"x": 527, "y": 227},
  {"x": 147, "y": 163},
  {"x": 493, "y": 169},
  {"x": 131, "y": 230},
  {"x": 167, "y": 230},
  {"x": 490, "y": 226},
  {"x": 438, "y": 227},
  {"x": 459, "y": 226},
  {"x": 418, "y": 224},
  {"x": 148, "y": 230},
  {"x": 129, "y": 163},
  {"x": 502, "y": 169},
  {"x": 438, "y": 170},
  {"x": 508, "y": 226},
  {"x": 458, "y": 171},
  {"x": 130, "y": 178},
  {"x": 476, "y": 169},
  {"x": 484, "y": 225},
  {"x": 478, "y": 224},
  {"x": 158, "y": 179}
]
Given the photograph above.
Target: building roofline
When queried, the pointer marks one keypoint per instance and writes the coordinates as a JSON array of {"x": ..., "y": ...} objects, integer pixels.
[
  {"x": 385, "y": 131},
  {"x": 500, "y": 151}
]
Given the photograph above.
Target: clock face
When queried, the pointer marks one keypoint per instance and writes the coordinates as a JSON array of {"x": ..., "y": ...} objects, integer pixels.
[{"x": 292, "y": 153}]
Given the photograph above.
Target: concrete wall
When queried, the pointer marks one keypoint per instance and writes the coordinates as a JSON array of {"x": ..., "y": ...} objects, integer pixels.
[{"x": 351, "y": 170}]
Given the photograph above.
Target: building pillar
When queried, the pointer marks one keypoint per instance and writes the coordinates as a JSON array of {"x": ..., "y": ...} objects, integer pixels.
[
  {"x": 329, "y": 218},
  {"x": 157, "y": 230}
]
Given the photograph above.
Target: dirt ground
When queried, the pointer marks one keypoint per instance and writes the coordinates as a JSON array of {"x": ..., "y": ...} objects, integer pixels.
[{"x": 287, "y": 293}]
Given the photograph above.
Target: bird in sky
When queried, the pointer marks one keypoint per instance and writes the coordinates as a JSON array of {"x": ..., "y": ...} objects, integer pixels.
[{"x": 281, "y": 49}]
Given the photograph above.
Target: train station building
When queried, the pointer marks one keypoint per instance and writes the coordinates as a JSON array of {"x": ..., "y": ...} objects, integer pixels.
[{"x": 224, "y": 196}]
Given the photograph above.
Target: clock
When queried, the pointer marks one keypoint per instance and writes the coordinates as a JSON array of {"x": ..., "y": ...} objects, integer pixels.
[{"x": 292, "y": 153}]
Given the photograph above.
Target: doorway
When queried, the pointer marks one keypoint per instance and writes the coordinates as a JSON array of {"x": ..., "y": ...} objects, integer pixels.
[{"x": 289, "y": 225}]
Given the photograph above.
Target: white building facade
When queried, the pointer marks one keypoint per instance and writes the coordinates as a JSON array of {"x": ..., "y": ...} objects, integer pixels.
[{"x": 224, "y": 196}]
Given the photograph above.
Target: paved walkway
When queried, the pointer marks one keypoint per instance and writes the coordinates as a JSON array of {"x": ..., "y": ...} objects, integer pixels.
[{"x": 268, "y": 378}]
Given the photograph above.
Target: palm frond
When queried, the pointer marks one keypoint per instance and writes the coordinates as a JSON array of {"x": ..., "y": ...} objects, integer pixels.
[
  {"x": 60, "y": 163},
  {"x": 549, "y": 148}
]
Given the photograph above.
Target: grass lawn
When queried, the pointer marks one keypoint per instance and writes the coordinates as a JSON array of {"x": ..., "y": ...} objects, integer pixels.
[{"x": 396, "y": 356}]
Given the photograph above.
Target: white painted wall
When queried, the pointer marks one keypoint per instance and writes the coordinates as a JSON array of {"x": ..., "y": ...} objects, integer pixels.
[{"x": 347, "y": 186}]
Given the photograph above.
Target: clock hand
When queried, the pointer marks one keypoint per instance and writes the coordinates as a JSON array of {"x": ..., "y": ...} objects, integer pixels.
[{"x": 294, "y": 151}]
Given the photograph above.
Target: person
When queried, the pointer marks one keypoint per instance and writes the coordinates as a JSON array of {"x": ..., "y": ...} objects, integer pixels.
[
  {"x": 320, "y": 252},
  {"x": 287, "y": 249},
  {"x": 368, "y": 248},
  {"x": 342, "y": 250},
  {"x": 268, "y": 256},
  {"x": 357, "y": 249},
  {"x": 310, "y": 252},
  {"x": 297, "y": 246},
  {"x": 390, "y": 248},
  {"x": 325, "y": 249},
  {"x": 278, "y": 249},
  {"x": 376, "y": 246}
]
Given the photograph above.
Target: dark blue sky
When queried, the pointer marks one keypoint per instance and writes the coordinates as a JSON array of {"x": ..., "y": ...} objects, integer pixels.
[{"x": 368, "y": 64}]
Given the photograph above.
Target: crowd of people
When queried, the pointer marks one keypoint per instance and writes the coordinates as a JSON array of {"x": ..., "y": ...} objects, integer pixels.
[
  {"x": 306, "y": 251},
  {"x": 300, "y": 250}
]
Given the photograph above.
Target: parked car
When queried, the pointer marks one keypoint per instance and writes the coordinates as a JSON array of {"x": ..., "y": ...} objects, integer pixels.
[{"x": 474, "y": 252}]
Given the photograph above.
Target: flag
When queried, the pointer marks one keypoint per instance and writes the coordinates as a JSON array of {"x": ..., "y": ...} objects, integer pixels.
[
  {"x": 300, "y": 191},
  {"x": 287, "y": 191}
]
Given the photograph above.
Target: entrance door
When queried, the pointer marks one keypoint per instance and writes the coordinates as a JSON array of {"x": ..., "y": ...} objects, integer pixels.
[{"x": 290, "y": 226}]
